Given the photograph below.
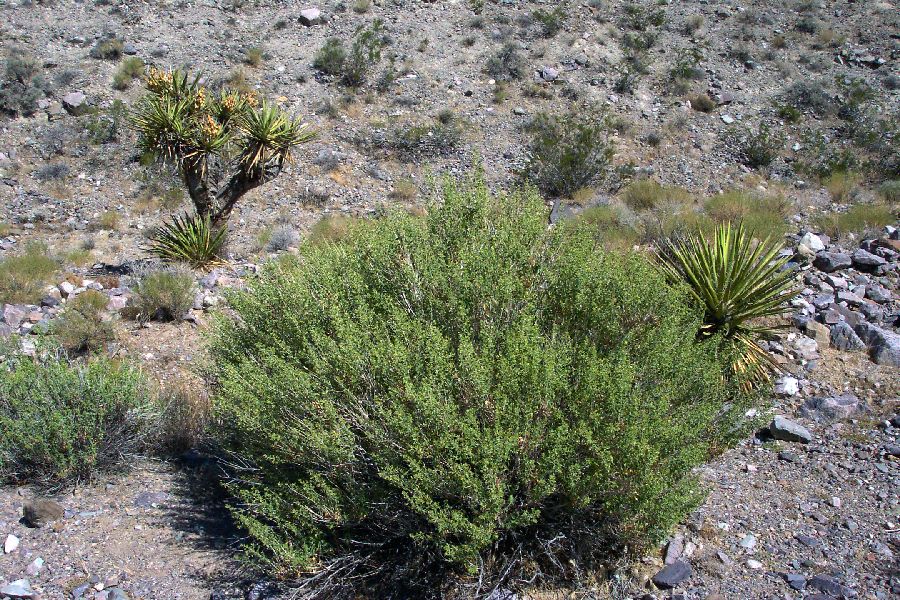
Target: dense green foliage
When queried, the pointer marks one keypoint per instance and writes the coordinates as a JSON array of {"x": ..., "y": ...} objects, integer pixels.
[
  {"x": 63, "y": 423},
  {"x": 738, "y": 281},
  {"x": 567, "y": 152},
  {"x": 353, "y": 67},
  {"x": 441, "y": 394}
]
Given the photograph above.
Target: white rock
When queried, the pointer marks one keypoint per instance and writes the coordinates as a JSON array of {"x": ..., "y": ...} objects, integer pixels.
[
  {"x": 754, "y": 564},
  {"x": 787, "y": 386},
  {"x": 11, "y": 543}
]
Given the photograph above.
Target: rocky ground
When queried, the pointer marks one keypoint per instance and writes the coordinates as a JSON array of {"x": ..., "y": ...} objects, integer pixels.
[{"x": 809, "y": 508}]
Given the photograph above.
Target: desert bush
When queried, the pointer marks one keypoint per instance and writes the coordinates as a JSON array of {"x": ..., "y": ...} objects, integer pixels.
[
  {"x": 64, "y": 423},
  {"x": 354, "y": 67},
  {"x": 107, "y": 48},
  {"x": 441, "y": 394},
  {"x": 51, "y": 172},
  {"x": 613, "y": 229},
  {"x": 23, "y": 84},
  {"x": 130, "y": 69},
  {"x": 162, "y": 295},
  {"x": 254, "y": 56},
  {"x": 703, "y": 103},
  {"x": 840, "y": 185},
  {"x": 184, "y": 414},
  {"x": 330, "y": 229},
  {"x": 823, "y": 156},
  {"x": 810, "y": 95},
  {"x": 686, "y": 66},
  {"x": 507, "y": 64},
  {"x": 551, "y": 21},
  {"x": 103, "y": 126},
  {"x": 282, "y": 238},
  {"x": 890, "y": 191},
  {"x": 739, "y": 282},
  {"x": 641, "y": 18},
  {"x": 223, "y": 145},
  {"x": 762, "y": 216},
  {"x": 430, "y": 139},
  {"x": 568, "y": 152},
  {"x": 23, "y": 277},
  {"x": 647, "y": 194},
  {"x": 859, "y": 219},
  {"x": 692, "y": 24},
  {"x": 759, "y": 148},
  {"x": 82, "y": 327}
]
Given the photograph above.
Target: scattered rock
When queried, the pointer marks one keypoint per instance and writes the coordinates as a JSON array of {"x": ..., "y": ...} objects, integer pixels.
[
  {"x": 884, "y": 345},
  {"x": 20, "y": 588},
  {"x": 844, "y": 338},
  {"x": 310, "y": 17},
  {"x": 788, "y": 431},
  {"x": 672, "y": 575},
  {"x": 41, "y": 511},
  {"x": 11, "y": 543},
  {"x": 830, "y": 408},
  {"x": 76, "y": 104},
  {"x": 832, "y": 261}
]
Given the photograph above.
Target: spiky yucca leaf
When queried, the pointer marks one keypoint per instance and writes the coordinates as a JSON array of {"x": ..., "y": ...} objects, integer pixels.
[
  {"x": 270, "y": 133},
  {"x": 738, "y": 281},
  {"x": 189, "y": 239}
]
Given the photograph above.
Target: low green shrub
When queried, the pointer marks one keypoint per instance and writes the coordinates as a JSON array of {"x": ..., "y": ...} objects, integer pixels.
[
  {"x": 647, "y": 194},
  {"x": 507, "y": 64},
  {"x": 551, "y": 21},
  {"x": 23, "y": 84},
  {"x": 759, "y": 148},
  {"x": 432, "y": 397},
  {"x": 164, "y": 295},
  {"x": 762, "y": 216},
  {"x": 64, "y": 423},
  {"x": 859, "y": 219},
  {"x": 23, "y": 277},
  {"x": 439, "y": 137},
  {"x": 568, "y": 152},
  {"x": 130, "y": 69},
  {"x": 108, "y": 48},
  {"x": 354, "y": 67},
  {"x": 82, "y": 327}
]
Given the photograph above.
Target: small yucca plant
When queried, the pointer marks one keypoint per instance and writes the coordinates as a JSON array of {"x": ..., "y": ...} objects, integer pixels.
[
  {"x": 190, "y": 239},
  {"x": 223, "y": 145},
  {"x": 739, "y": 281}
]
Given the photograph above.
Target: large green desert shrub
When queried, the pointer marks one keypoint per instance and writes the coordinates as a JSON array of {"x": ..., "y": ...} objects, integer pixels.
[
  {"x": 24, "y": 276},
  {"x": 438, "y": 395},
  {"x": 568, "y": 152},
  {"x": 64, "y": 423}
]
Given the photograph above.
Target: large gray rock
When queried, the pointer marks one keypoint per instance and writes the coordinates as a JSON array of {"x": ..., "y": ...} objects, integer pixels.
[
  {"x": 13, "y": 315},
  {"x": 810, "y": 244},
  {"x": 866, "y": 261},
  {"x": 832, "y": 261},
  {"x": 672, "y": 575},
  {"x": 20, "y": 588},
  {"x": 844, "y": 338},
  {"x": 884, "y": 345},
  {"x": 788, "y": 431},
  {"x": 76, "y": 103},
  {"x": 830, "y": 408},
  {"x": 310, "y": 16}
]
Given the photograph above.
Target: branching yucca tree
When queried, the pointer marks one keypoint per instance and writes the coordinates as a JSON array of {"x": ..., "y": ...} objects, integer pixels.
[
  {"x": 739, "y": 281},
  {"x": 223, "y": 144}
]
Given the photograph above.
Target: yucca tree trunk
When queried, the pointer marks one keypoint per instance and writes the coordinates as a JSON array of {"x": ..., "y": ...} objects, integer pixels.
[{"x": 215, "y": 188}]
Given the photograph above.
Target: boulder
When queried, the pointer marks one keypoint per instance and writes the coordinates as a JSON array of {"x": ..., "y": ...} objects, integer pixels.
[
  {"x": 832, "y": 261},
  {"x": 884, "y": 345},
  {"x": 76, "y": 103},
  {"x": 672, "y": 575},
  {"x": 41, "y": 511},
  {"x": 310, "y": 17},
  {"x": 844, "y": 338},
  {"x": 866, "y": 261},
  {"x": 830, "y": 408},
  {"x": 810, "y": 244},
  {"x": 788, "y": 431}
]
